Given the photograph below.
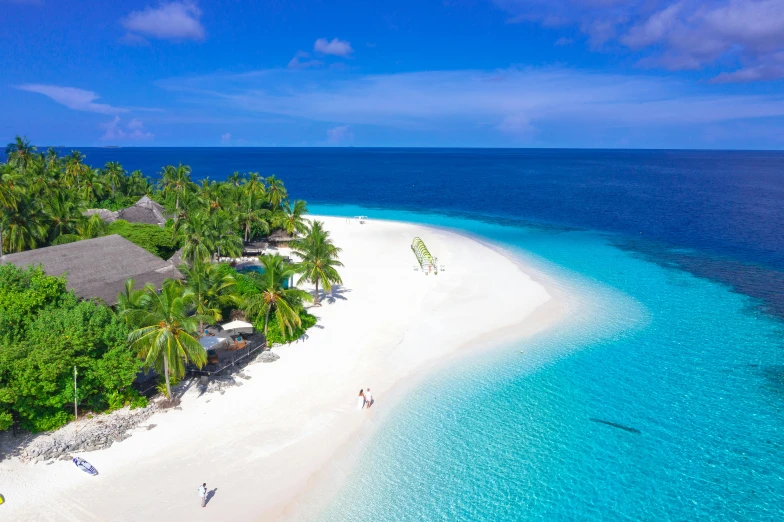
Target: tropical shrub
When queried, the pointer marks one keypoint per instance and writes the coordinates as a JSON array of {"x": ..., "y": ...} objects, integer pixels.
[
  {"x": 278, "y": 335},
  {"x": 152, "y": 238},
  {"x": 51, "y": 331}
]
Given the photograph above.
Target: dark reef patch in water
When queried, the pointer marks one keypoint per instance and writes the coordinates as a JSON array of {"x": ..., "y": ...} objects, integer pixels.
[
  {"x": 762, "y": 283},
  {"x": 616, "y": 425}
]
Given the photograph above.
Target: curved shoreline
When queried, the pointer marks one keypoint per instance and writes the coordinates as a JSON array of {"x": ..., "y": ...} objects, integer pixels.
[
  {"x": 326, "y": 482},
  {"x": 268, "y": 446}
]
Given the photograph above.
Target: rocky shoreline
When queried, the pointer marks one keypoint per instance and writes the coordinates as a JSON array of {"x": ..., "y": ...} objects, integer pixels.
[{"x": 99, "y": 431}]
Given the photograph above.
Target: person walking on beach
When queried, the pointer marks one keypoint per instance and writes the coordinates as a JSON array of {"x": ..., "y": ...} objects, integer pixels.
[
  {"x": 203, "y": 494},
  {"x": 368, "y": 398},
  {"x": 361, "y": 401}
]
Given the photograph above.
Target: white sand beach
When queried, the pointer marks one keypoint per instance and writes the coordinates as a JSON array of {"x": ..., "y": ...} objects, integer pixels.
[{"x": 262, "y": 445}]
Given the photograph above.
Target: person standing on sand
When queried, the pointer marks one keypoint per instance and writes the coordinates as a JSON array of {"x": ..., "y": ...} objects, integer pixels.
[
  {"x": 361, "y": 401},
  {"x": 203, "y": 494},
  {"x": 368, "y": 398}
]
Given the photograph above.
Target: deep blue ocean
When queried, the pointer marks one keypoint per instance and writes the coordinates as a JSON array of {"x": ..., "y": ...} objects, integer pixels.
[{"x": 661, "y": 399}]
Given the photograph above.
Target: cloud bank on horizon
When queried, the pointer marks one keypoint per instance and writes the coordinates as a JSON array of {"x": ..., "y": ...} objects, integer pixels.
[{"x": 618, "y": 73}]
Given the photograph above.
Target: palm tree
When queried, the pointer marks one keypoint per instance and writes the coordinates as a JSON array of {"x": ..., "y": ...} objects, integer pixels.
[
  {"x": 319, "y": 257},
  {"x": 10, "y": 186},
  {"x": 293, "y": 219},
  {"x": 24, "y": 226},
  {"x": 235, "y": 179},
  {"x": 212, "y": 193},
  {"x": 225, "y": 240},
  {"x": 129, "y": 299},
  {"x": 254, "y": 215},
  {"x": 92, "y": 188},
  {"x": 20, "y": 153},
  {"x": 254, "y": 184},
  {"x": 197, "y": 239},
  {"x": 212, "y": 290},
  {"x": 62, "y": 214},
  {"x": 75, "y": 168},
  {"x": 276, "y": 192},
  {"x": 273, "y": 298},
  {"x": 116, "y": 176},
  {"x": 176, "y": 180},
  {"x": 138, "y": 184},
  {"x": 92, "y": 227},
  {"x": 165, "y": 328},
  {"x": 51, "y": 159}
]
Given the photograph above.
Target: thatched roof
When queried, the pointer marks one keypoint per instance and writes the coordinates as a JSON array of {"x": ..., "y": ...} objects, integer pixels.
[
  {"x": 280, "y": 236},
  {"x": 176, "y": 258},
  {"x": 99, "y": 267},
  {"x": 144, "y": 211},
  {"x": 107, "y": 215}
]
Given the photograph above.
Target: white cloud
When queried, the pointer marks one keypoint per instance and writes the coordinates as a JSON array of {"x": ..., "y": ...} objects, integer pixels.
[
  {"x": 514, "y": 102},
  {"x": 674, "y": 34},
  {"x": 302, "y": 60},
  {"x": 339, "y": 135},
  {"x": 73, "y": 98},
  {"x": 172, "y": 21},
  {"x": 334, "y": 47},
  {"x": 226, "y": 138},
  {"x": 134, "y": 131}
]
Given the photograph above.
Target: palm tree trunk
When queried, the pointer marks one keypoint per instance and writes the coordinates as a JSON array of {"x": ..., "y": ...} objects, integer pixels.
[
  {"x": 316, "y": 299},
  {"x": 266, "y": 323},
  {"x": 166, "y": 375},
  {"x": 177, "y": 203},
  {"x": 247, "y": 230},
  {"x": 201, "y": 327}
]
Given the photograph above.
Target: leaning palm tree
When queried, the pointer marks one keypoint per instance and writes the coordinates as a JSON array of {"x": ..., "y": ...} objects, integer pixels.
[
  {"x": 273, "y": 298},
  {"x": 212, "y": 290},
  {"x": 318, "y": 258},
  {"x": 165, "y": 328}
]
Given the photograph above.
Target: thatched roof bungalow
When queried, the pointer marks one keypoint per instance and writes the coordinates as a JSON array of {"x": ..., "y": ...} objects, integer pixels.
[
  {"x": 98, "y": 268},
  {"x": 145, "y": 211},
  {"x": 280, "y": 238}
]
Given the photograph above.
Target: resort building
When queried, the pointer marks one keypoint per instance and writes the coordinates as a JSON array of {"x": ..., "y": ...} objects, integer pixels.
[
  {"x": 98, "y": 268},
  {"x": 145, "y": 211}
]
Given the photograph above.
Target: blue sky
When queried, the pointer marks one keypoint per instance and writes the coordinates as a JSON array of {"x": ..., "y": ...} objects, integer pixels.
[{"x": 494, "y": 73}]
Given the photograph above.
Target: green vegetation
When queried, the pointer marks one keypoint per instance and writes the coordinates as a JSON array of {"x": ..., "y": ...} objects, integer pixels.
[
  {"x": 319, "y": 258},
  {"x": 283, "y": 304},
  {"x": 165, "y": 330},
  {"x": 45, "y": 330},
  {"x": 152, "y": 238}
]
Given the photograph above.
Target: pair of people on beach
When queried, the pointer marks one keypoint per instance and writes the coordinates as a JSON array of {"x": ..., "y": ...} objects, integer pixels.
[{"x": 365, "y": 398}]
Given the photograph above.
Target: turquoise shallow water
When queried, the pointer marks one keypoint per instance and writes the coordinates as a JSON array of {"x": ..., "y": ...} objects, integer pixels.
[{"x": 692, "y": 368}]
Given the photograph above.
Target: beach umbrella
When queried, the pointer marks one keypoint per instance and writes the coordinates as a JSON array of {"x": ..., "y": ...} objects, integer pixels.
[{"x": 238, "y": 327}]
